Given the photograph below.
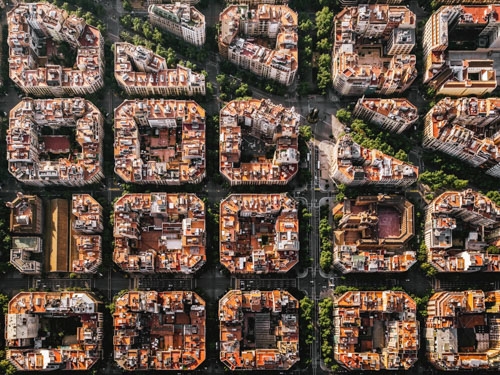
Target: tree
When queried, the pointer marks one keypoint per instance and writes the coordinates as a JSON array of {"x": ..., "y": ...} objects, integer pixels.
[
  {"x": 324, "y": 45},
  {"x": 344, "y": 116},
  {"x": 306, "y": 26},
  {"x": 324, "y": 22},
  {"x": 305, "y": 132},
  {"x": 492, "y": 249},
  {"x": 243, "y": 91},
  {"x": 401, "y": 155}
]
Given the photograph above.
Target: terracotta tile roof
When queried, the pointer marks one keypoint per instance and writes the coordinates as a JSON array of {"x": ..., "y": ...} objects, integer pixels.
[
  {"x": 274, "y": 318},
  {"x": 375, "y": 330},
  {"x": 259, "y": 233},
  {"x": 159, "y": 232},
  {"x": 159, "y": 330}
]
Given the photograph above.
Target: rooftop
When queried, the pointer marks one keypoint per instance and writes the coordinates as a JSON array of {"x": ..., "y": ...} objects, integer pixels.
[
  {"x": 26, "y": 214},
  {"x": 396, "y": 109},
  {"x": 28, "y": 323},
  {"x": 478, "y": 219},
  {"x": 259, "y": 330},
  {"x": 40, "y": 159},
  {"x": 470, "y": 124},
  {"x": 372, "y": 234},
  {"x": 357, "y": 163},
  {"x": 259, "y": 233},
  {"x": 244, "y": 126},
  {"x": 375, "y": 330},
  {"x": 160, "y": 141},
  {"x": 461, "y": 330},
  {"x": 181, "y": 13},
  {"x": 34, "y": 29},
  {"x": 159, "y": 330},
  {"x": 240, "y": 24},
  {"x": 159, "y": 232},
  {"x": 137, "y": 66},
  {"x": 360, "y": 33}
]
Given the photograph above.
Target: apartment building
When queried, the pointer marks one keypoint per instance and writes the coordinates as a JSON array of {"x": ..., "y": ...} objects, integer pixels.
[
  {"x": 371, "y": 52},
  {"x": 26, "y": 226},
  {"x": 259, "y": 330},
  {"x": 159, "y": 330},
  {"x": 36, "y": 338},
  {"x": 190, "y": 2},
  {"x": 395, "y": 115},
  {"x": 478, "y": 220},
  {"x": 160, "y": 141},
  {"x": 463, "y": 2},
  {"x": 242, "y": 28},
  {"x": 458, "y": 42},
  {"x": 373, "y": 233},
  {"x": 159, "y": 232},
  {"x": 249, "y": 129},
  {"x": 354, "y": 165},
  {"x": 180, "y": 19},
  {"x": 87, "y": 224},
  {"x": 26, "y": 215},
  {"x": 40, "y": 157},
  {"x": 259, "y": 233},
  {"x": 139, "y": 71},
  {"x": 35, "y": 31},
  {"x": 468, "y": 129},
  {"x": 462, "y": 330},
  {"x": 345, "y": 3},
  {"x": 375, "y": 330}
]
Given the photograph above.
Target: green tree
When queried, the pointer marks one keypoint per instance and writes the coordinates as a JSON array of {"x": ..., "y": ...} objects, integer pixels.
[
  {"x": 401, "y": 155},
  {"x": 243, "y": 91},
  {"x": 324, "y": 22},
  {"x": 305, "y": 132},
  {"x": 324, "y": 45},
  {"x": 344, "y": 116}
]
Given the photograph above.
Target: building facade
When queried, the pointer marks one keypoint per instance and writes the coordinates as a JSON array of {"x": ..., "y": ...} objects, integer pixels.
[
  {"x": 468, "y": 129},
  {"x": 180, "y": 19},
  {"x": 395, "y": 115},
  {"x": 371, "y": 52},
  {"x": 139, "y": 71},
  {"x": 35, "y": 30},
  {"x": 354, "y": 165},
  {"x": 240, "y": 29},
  {"x": 79, "y": 162}
]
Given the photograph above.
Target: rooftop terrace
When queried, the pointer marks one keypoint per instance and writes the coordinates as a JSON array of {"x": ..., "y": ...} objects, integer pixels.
[
  {"x": 372, "y": 234},
  {"x": 159, "y": 232},
  {"x": 375, "y": 330},
  {"x": 28, "y": 324},
  {"x": 244, "y": 125},
  {"x": 37, "y": 156},
  {"x": 259, "y": 330},
  {"x": 259, "y": 233},
  {"x": 464, "y": 249},
  {"x": 159, "y": 330},
  {"x": 34, "y": 31},
  {"x": 160, "y": 141},
  {"x": 462, "y": 330}
]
